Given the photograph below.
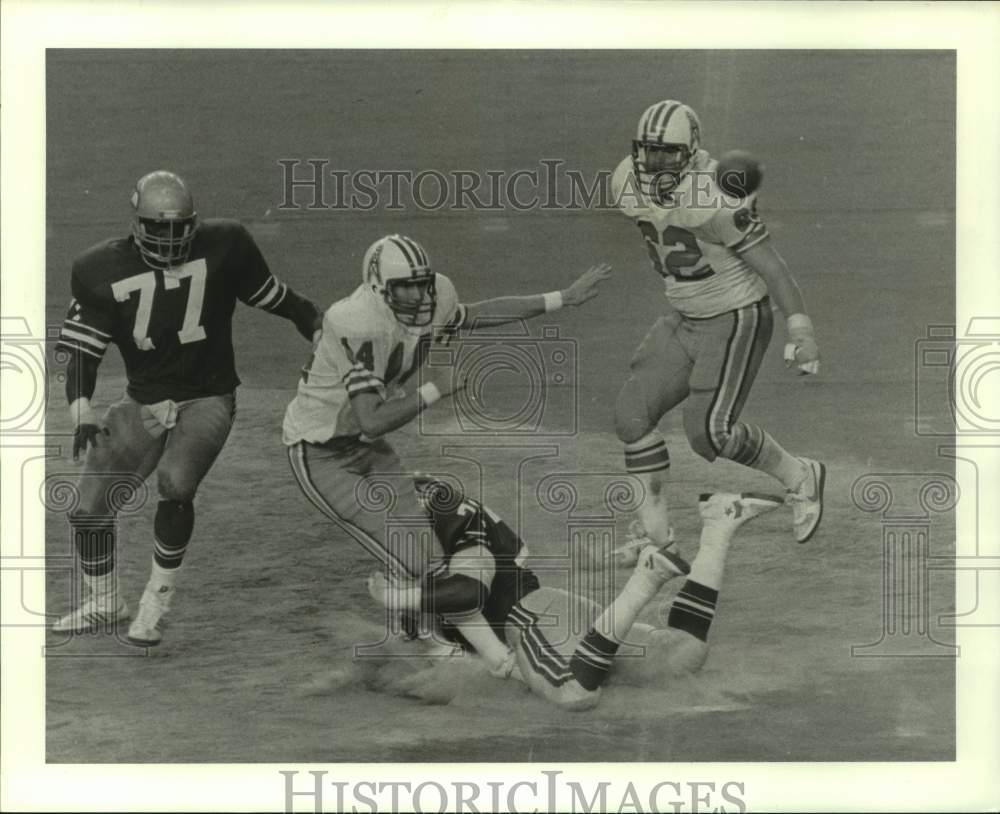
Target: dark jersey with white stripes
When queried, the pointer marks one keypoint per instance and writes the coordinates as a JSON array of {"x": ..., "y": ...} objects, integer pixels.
[
  {"x": 173, "y": 328},
  {"x": 471, "y": 524}
]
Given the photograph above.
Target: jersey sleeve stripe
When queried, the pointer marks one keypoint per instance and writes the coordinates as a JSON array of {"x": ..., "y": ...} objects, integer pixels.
[
  {"x": 69, "y": 345},
  {"x": 259, "y": 292},
  {"x": 750, "y": 240},
  {"x": 272, "y": 291},
  {"x": 353, "y": 384},
  {"x": 351, "y": 392},
  {"x": 82, "y": 326},
  {"x": 81, "y": 337},
  {"x": 283, "y": 290}
]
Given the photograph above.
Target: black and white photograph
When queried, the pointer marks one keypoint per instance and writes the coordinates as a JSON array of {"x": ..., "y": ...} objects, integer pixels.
[{"x": 594, "y": 408}]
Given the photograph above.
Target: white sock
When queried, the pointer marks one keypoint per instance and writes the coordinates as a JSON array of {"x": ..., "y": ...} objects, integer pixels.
[
  {"x": 779, "y": 464},
  {"x": 653, "y": 511},
  {"x": 161, "y": 582},
  {"x": 618, "y": 617},
  {"x": 104, "y": 586},
  {"x": 708, "y": 565}
]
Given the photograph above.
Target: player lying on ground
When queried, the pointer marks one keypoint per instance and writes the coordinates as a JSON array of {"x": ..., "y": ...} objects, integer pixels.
[
  {"x": 359, "y": 385},
  {"x": 165, "y": 296},
  {"x": 720, "y": 269},
  {"x": 533, "y": 624}
]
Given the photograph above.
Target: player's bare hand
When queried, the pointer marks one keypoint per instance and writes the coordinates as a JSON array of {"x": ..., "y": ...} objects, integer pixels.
[
  {"x": 586, "y": 285},
  {"x": 86, "y": 434}
]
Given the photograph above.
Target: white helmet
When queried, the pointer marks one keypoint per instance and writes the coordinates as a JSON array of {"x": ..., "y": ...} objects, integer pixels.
[
  {"x": 664, "y": 148},
  {"x": 394, "y": 261}
]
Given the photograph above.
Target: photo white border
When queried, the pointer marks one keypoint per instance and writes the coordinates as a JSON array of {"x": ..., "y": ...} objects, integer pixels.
[{"x": 28, "y": 28}]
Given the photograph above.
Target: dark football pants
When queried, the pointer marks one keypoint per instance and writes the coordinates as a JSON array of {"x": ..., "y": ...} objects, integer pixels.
[{"x": 138, "y": 443}]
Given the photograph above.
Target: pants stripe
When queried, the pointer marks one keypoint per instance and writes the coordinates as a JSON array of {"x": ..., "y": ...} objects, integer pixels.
[
  {"x": 731, "y": 377},
  {"x": 300, "y": 468},
  {"x": 545, "y": 660}
]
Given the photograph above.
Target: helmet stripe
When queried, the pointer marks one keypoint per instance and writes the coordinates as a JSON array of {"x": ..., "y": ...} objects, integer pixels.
[
  {"x": 418, "y": 250},
  {"x": 650, "y": 116},
  {"x": 399, "y": 243},
  {"x": 411, "y": 251},
  {"x": 664, "y": 120}
]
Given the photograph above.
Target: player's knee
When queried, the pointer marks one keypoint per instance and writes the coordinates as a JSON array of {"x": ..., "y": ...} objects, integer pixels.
[
  {"x": 632, "y": 419},
  {"x": 573, "y": 696},
  {"x": 686, "y": 656},
  {"x": 697, "y": 434},
  {"x": 702, "y": 446},
  {"x": 174, "y": 484}
]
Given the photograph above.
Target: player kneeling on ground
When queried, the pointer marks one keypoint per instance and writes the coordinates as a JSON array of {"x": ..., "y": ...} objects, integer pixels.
[{"x": 531, "y": 624}]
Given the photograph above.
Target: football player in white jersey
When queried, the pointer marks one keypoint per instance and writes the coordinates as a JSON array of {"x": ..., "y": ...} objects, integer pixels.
[
  {"x": 721, "y": 272},
  {"x": 358, "y": 386}
]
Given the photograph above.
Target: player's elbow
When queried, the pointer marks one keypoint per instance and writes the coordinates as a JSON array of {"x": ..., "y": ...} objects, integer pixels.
[
  {"x": 365, "y": 409},
  {"x": 456, "y": 595}
]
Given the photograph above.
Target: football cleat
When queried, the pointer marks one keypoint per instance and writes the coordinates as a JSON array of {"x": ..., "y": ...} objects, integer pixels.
[
  {"x": 94, "y": 614},
  {"x": 736, "y": 509},
  {"x": 807, "y": 500},
  {"x": 163, "y": 220},
  {"x": 665, "y": 145},
  {"x": 636, "y": 539},
  {"x": 144, "y": 630},
  {"x": 662, "y": 563},
  {"x": 397, "y": 272}
]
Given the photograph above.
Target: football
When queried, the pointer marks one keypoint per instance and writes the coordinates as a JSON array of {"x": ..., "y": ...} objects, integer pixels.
[{"x": 738, "y": 173}]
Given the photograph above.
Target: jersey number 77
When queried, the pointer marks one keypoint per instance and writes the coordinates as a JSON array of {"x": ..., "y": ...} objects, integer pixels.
[{"x": 191, "y": 330}]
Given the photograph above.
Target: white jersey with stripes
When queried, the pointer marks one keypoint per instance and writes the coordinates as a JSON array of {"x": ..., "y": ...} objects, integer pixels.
[
  {"x": 695, "y": 239},
  {"x": 363, "y": 349}
]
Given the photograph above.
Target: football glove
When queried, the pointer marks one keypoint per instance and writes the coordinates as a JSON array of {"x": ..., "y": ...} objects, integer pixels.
[
  {"x": 86, "y": 429},
  {"x": 801, "y": 348}
]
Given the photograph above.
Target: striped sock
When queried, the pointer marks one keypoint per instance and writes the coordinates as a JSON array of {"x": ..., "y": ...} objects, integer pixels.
[
  {"x": 94, "y": 538},
  {"x": 172, "y": 529},
  {"x": 592, "y": 659},
  {"x": 649, "y": 461},
  {"x": 693, "y": 609},
  {"x": 648, "y": 454},
  {"x": 754, "y": 447}
]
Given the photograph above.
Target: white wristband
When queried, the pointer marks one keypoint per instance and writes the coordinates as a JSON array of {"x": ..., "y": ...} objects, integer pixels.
[
  {"x": 553, "y": 301},
  {"x": 799, "y": 322},
  {"x": 80, "y": 412},
  {"x": 429, "y": 393}
]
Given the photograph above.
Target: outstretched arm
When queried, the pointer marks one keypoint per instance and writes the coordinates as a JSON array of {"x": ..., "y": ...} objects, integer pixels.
[
  {"x": 501, "y": 310},
  {"x": 801, "y": 349}
]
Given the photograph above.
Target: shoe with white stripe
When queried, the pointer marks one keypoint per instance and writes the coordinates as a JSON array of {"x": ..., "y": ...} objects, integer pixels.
[
  {"x": 662, "y": 564},
  {"x": 736, "y": 509},
  {"x": 627, "y": 555},
  {"x": 96, "y": 612},
  {"x": 807, "y": 500},
  {"x": 144, "y": 630}
]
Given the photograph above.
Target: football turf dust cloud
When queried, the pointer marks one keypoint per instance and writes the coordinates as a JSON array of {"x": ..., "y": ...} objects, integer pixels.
[{"x": 642, "y": 684}]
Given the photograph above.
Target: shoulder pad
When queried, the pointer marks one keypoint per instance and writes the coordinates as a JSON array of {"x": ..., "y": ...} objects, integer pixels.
[
  {"x": 356, "y": 315},
  {"x": 447, "y": 299},
  {"x": 625, "y": 192}
]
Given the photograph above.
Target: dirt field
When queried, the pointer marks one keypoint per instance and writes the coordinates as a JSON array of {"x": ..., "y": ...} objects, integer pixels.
[{"x": 859, "y": 198}]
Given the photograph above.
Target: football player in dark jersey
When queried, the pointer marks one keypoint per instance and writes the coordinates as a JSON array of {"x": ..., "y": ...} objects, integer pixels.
[
  {"x": 165, "y": 296},
  {"x": 534, "y": 624}
]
